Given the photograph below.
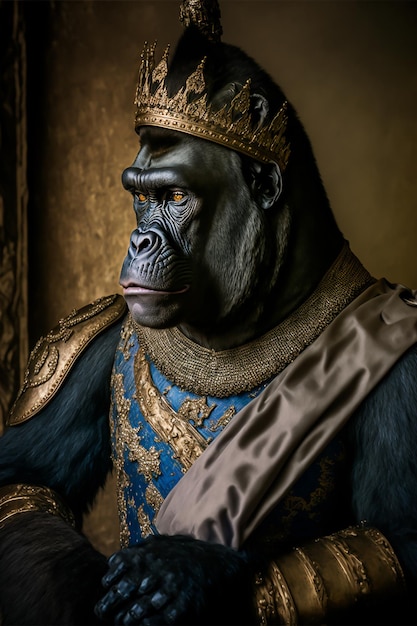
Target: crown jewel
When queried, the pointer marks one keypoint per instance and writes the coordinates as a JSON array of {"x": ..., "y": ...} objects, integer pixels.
[{"x": 189, "y": 112}]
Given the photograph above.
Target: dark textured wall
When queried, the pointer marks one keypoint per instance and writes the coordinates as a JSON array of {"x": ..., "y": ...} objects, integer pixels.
[
  {"x": 13, "y": 203},
  {"x": 350, "y": 69}
]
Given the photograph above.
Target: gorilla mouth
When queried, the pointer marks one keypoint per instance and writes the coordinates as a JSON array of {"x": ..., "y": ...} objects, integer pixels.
[{"x": 137, "y": 290}]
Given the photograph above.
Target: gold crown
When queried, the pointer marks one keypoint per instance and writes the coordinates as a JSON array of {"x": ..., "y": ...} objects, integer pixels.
[{"x": 189, "y": 112}]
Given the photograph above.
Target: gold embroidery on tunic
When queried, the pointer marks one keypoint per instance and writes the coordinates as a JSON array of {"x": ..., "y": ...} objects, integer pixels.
[
  {"x": 185, "y": 440},
  {"x": 122, "y": 410},
  {"x": 143, "y": 521},
  {"x": 147, "y": 459},
  {"x": 223, "y": 421},
  {"x": 177, "y": 429},
  {"x": 126, "y": 336},
  {"x": 153, "y": 497},
  {"x": 292, "y": 504},
  {"x": 195, "y": 410},
  {"x": 324, "y": 487},
  {"x": 148, "y": 462}
]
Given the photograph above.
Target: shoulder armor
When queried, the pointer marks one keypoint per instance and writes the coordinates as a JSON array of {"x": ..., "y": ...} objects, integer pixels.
[{"x": 54, "y": 355}]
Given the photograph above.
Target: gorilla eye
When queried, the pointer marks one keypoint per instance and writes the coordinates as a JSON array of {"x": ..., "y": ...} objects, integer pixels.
[
  {"x": 141, "y": 196},
  {"x": 177, "y": 196}
]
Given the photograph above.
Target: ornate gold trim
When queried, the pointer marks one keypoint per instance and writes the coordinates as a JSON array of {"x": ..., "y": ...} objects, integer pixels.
[
  {"x": 185, "y": 440},
  {"x": 54, "y": 355},
  {"x": 121, "y": 433},
  {"x": 383, "y": 548},
  {"x": 317, "y": 598},
  {"x": 274, "y": 601},
  {"x": 353, "y": 571},
  {"x": 328, "y": 576},
  {"x": 19, "y": 498},
  {"x": 210, "y": 373}
]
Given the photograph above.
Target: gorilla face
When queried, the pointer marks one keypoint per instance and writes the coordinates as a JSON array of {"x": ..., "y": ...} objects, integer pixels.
[{"x": 201, "y": 244}]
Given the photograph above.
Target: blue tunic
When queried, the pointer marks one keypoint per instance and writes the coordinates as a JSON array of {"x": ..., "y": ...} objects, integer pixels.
[{"x": 158, "y": 430}]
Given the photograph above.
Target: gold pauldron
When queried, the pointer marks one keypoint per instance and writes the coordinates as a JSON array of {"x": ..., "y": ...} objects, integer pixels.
[
  {"x": 317, "y": 581},
  {"x": 55, "y": 355},
  {"x": 17, "y": 499}
]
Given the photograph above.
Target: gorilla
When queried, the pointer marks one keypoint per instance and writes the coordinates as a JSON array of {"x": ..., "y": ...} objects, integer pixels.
[{"x": 253, "y": 391}]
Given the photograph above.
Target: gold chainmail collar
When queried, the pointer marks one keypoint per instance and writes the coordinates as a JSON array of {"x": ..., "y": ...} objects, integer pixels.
[{"x": 229, "y": 372}]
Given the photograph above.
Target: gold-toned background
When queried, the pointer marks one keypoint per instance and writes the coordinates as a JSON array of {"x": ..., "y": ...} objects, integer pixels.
[{"x": 349, "y": 68}]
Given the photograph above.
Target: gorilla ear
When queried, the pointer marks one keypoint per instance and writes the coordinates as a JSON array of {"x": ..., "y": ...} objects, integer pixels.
[
  {"x": 266, "y": 183},
  {"x": 259, "y": 109},
  {"x": 225, "y": 95},
  {"x": 265, "y": 178}
]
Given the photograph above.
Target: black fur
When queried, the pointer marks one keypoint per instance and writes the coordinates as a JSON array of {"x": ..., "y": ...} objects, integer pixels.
[
  {"x": 49, "y": 573},
  {"x": 76, "y": 458},
  {"x": 384, "y": 477}
]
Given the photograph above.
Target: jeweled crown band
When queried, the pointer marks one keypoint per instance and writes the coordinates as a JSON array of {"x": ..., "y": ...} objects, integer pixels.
[{"x": 188, "y": 111}]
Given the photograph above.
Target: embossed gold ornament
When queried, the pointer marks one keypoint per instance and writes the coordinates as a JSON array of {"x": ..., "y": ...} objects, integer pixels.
[
  {"x": 185, "y": 440},
  {"x": 19, "y": 498},
  {"x": 54, "y": 355},
  {"x": 318, "y": 581}
]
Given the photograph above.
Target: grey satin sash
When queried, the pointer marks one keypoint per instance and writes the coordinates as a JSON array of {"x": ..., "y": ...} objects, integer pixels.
[{"x": 268, "y": 445}]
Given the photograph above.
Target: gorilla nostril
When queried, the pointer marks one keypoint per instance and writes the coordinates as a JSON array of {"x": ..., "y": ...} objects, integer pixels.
[{"x": 143, "y": 244}]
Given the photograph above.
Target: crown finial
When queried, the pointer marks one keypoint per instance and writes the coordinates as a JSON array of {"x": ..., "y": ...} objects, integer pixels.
[{"x": 205, "y": 15}]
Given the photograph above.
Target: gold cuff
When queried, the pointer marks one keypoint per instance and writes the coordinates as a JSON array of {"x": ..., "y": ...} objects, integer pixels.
[
  {"x": 17, "y": 499},
  {"x": 322, "y": 578}
]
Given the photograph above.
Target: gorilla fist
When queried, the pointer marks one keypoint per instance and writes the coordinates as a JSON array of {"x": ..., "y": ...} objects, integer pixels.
[{"x": 178, "y": 580}]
